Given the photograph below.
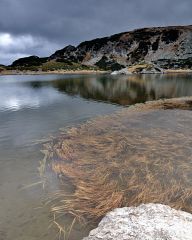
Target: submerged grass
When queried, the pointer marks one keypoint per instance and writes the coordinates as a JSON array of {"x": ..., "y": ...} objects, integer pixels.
[{"x": 140, "y": 155}]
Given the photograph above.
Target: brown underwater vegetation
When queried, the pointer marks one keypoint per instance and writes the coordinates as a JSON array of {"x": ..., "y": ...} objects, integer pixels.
[{"x": 141, "y": 154}]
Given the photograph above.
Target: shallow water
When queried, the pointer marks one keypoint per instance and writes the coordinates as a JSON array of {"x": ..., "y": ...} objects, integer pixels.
[{"x": 34, "y": 107}]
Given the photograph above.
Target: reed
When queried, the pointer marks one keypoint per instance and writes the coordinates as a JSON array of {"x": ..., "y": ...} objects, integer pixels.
[{"x": 115, "y": 161}]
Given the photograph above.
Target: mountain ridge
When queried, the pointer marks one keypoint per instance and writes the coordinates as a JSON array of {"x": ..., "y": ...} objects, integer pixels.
[{"x": 166, "y": 47}]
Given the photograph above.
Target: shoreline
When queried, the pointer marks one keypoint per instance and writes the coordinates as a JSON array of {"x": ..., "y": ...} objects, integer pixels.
[
  {"x": 168, "y": 71},
  {"x": 84, "y": 72}
]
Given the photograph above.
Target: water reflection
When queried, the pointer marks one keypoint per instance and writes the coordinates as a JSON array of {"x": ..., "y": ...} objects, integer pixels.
[
  {"x": 31, "y": 91},
  {"x": 127, "y": 90},
  {"x": 17, "y": 97}
]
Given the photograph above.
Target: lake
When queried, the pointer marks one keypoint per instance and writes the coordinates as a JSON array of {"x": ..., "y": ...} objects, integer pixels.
[{"x": 34, "y": 107}]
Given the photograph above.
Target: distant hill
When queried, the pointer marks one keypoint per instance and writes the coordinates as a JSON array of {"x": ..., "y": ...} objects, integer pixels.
[
  {"x": 29, "y": 61},
  {"x": 2, "y": 67},
  {"x": 167, "y": 47}
]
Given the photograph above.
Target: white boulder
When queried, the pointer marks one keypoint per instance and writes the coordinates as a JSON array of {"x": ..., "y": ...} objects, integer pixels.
[
  {"x": 146, "y": 222},
  {"x": 123, "y": 71}
]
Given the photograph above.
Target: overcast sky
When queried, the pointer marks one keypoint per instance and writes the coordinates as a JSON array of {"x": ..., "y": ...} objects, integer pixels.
[{"x": 39, "y": 27}]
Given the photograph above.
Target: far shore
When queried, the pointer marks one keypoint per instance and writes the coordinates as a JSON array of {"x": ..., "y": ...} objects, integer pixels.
[
  {"x": 178, "y": 71},
  {"x": 16, "y": 72}
]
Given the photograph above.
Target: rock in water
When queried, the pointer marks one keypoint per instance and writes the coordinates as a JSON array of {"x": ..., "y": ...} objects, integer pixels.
[
  {"x": 146, "y": 222},
  {"x": 123, "y": 71}
]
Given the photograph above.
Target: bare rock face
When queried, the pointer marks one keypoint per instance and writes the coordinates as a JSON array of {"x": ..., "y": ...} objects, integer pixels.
[
  {"x": 167, "y": 47},
  {"x": 146, "y": 222}
]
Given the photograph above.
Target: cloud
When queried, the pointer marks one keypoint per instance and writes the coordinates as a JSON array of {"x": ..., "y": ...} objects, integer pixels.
[
  {"x": 14, "y": 47},
  {"x": 62, "y": 22},
  {"x": 7, "y": 41}
]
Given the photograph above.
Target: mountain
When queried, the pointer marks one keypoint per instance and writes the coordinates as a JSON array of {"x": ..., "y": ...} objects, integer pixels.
[{"x": 166, "y": 47}]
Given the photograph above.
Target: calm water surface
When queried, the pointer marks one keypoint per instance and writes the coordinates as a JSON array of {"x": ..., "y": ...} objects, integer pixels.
[{"x": 34, "y": 107}]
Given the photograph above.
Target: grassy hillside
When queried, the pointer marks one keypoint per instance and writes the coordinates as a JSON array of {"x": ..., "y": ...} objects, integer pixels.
[{"x": 68, "y": 66}]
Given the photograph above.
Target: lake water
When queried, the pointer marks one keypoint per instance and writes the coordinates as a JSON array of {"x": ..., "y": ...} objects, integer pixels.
[{"x": 35, "y": 107}]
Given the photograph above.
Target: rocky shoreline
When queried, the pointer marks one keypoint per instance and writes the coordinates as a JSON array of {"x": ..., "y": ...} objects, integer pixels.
[{"x": 148, "y": 68}]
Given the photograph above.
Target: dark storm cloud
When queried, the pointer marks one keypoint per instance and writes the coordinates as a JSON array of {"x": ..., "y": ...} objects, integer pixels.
[{"x": 51, "y": 24}]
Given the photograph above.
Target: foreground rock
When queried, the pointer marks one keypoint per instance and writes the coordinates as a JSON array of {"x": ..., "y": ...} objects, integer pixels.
[{"x": 146, "y": 222}]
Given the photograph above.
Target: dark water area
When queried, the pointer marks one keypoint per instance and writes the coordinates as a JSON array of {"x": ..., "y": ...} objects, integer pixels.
[
  {"x": 127, "y": 90},
  {"x": 35, "y": 107}
]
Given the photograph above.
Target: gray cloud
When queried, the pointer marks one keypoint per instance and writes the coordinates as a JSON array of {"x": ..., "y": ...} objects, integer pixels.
[{"x": 52, "y": 24}]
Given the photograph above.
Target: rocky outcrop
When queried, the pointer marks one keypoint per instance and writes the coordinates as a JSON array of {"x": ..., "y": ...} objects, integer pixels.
[
  {"x": 139, "y": 69},
  {"x": 167, "y": 47},
  {"x": 146, "y": 68},
  {"x": 146, "y": 222}
]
